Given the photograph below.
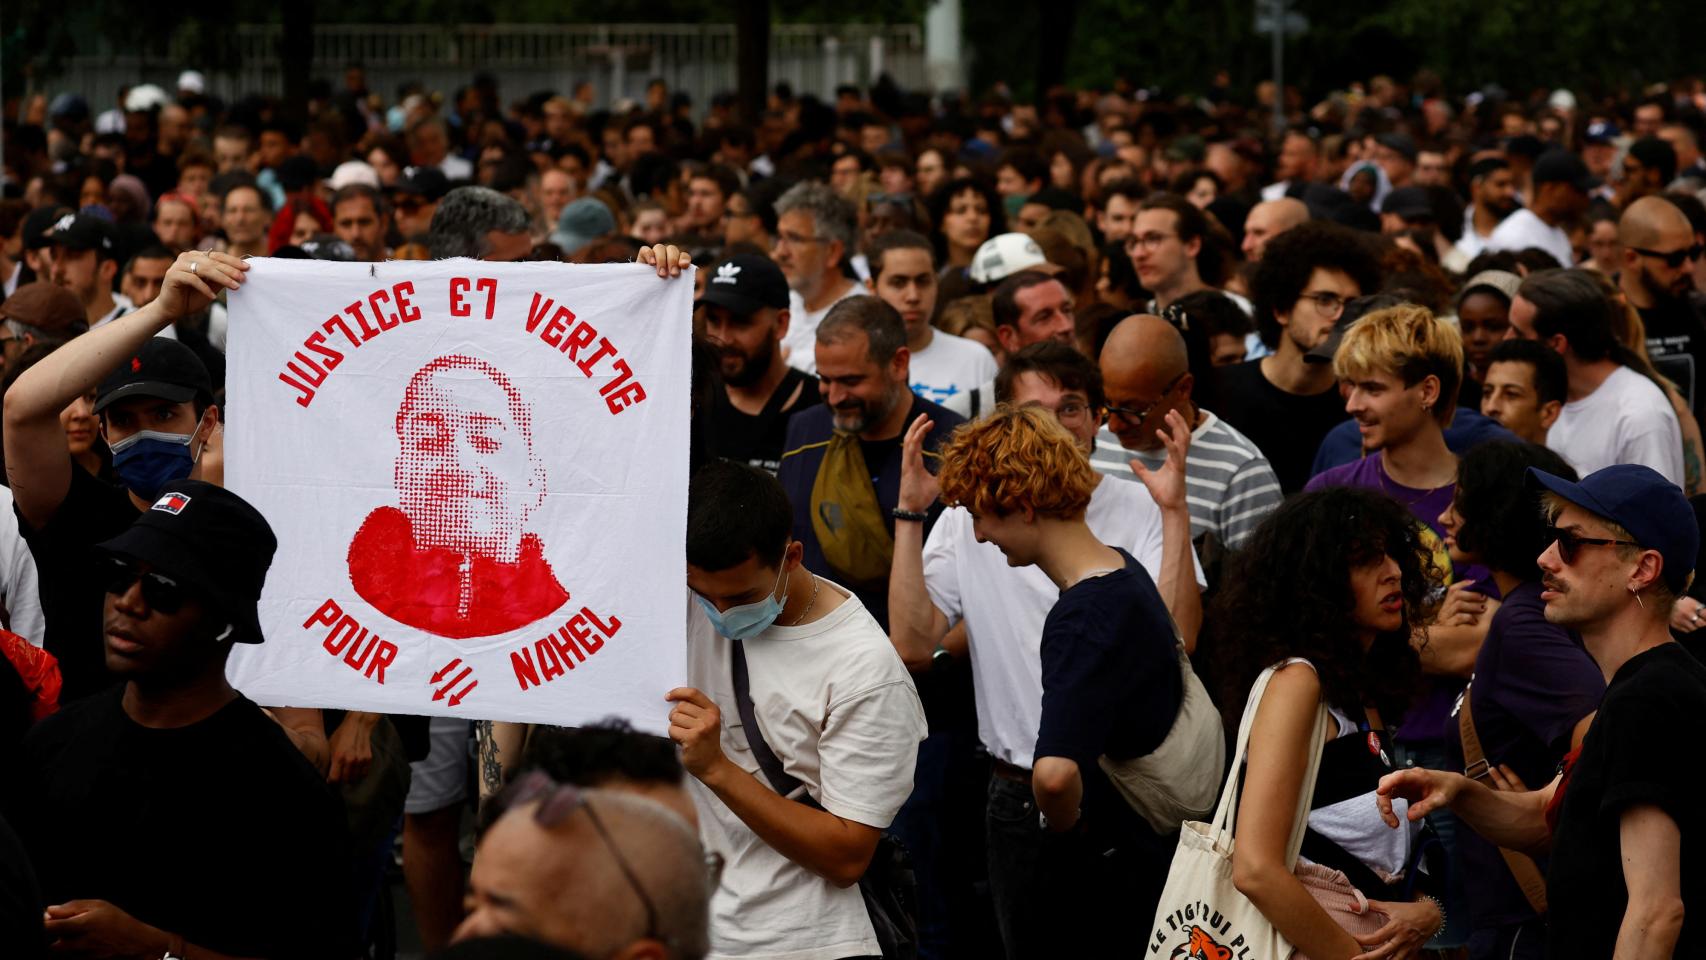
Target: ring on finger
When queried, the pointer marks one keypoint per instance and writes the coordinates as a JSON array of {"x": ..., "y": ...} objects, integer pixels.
[{"x": 194, "y": 264}]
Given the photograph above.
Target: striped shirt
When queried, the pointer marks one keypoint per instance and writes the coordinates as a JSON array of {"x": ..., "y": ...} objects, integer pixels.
[{"x": 1229, "y": 486}]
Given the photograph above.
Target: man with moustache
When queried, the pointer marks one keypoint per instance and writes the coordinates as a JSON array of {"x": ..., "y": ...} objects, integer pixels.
[
  {"x": 746, "y": 317},
  {"x": 1659, "y": 254},
  {"x": 842, "y": 465},
  {"x": 1624, "y": 876}
]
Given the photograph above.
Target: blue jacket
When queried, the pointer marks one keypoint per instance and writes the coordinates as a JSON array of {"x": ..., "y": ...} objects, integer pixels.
[{"x": 809, "y": 433}]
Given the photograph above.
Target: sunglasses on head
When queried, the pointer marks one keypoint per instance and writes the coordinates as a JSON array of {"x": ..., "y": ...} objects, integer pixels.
[
  {"x": 1570, "y": 544},
  {"x": 160, "y": 592},
  {"x": 1674, "y": 258},
  {"x": 558, "y": 802}
]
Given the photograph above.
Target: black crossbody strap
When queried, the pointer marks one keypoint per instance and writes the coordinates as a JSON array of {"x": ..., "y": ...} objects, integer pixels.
[{"x": 780, "y": 780}]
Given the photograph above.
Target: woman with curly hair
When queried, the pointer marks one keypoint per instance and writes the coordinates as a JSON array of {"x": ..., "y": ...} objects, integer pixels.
[
  {"x": 1111, "y": 681},
  {"x": 1327, "y": 590}
]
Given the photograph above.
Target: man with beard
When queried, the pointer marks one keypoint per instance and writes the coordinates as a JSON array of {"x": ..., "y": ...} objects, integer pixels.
[
  {"x": 1492, "y": 198},
  {"x": 1659, "y": 254},
  {"x": 746, "y": 318},
  {"x": 842, "y": 465}
]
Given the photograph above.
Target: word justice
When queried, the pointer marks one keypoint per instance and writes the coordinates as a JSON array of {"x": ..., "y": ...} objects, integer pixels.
[{"x": 467, "y": 298}]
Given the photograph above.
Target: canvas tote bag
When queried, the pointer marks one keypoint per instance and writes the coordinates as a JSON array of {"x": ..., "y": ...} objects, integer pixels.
[
  {"x": 1174, "y": 783},
  {"x": 1201, "y": 913}
]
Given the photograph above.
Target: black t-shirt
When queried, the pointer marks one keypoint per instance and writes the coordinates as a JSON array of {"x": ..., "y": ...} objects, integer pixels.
[
  {"x": 1286, "y": 427},
  {"x": 1676, "y": 342},
  {"x": 1111, "y": 683},
  {"x": 20, "y": 900},
  {"x": 1638, "y": 751},
  {"x": 69, "y": 570},
  {"x": 757, "y": 440},
  {"x": 219, "y": 831}
]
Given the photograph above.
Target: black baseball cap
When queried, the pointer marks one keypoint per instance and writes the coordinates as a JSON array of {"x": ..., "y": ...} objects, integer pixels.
[
  {"x": 428, "y": 182},
  {"x": 1401, "y": 143},
  {"x": 38, "y": 226},
  {"x": 212, "y": 541},
  {"x": 1562, "y": 166},
  {"x": 163, "y": 368},
  {"x": 1640, "y": 500},
  {"x": 746, "y": 283},
  {"x": 1410, "y": 203},
  {"x": 82, "y": 231}
]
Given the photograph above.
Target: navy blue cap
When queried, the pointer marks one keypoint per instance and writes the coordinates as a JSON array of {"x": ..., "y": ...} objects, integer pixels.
[{"x": 1641, "y": 501}]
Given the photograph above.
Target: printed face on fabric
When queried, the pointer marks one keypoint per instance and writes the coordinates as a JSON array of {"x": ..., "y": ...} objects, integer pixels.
[{"x": 466, "y": 475}]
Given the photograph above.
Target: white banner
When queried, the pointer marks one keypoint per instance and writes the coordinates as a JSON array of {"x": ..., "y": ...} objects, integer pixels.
[{"x": 477, "y": 473}]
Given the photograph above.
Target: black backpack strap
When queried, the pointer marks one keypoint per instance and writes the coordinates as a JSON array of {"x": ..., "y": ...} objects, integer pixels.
[{"x": 780, "y": 780}]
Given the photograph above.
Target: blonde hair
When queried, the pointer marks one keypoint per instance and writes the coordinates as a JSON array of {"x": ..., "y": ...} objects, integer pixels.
[
  {"x": 1014, "y": 459},
  {"x": 1410, "y": 343}
]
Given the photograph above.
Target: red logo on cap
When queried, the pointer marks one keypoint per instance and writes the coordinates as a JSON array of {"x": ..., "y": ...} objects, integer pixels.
[{"x": 135, "y": 364}]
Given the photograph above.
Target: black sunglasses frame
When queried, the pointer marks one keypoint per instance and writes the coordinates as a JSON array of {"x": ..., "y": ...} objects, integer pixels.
[
  {"x": 1674, "y": 258},
  {"x": 160, "y": 592},
  {"x": 1570, "y": 545}
]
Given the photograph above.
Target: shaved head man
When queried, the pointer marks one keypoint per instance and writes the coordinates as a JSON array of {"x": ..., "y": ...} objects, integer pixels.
[
  {"x": 1659, "y": 256},
  {"x": 604, "y": 874},
  {"x": 1269, "y": 219},
  {"x": 1145, "y": 374}
]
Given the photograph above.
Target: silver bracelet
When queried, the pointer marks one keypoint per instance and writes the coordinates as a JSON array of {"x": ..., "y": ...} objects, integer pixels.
[{"x": 1441, "y": 908}]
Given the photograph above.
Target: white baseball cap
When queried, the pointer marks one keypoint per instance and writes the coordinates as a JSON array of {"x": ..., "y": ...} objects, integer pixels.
[
  {"x": 1001, "y": 257},
  {"x": 354, "y": 171},
  {"x": 145, "y": 97},
  {"x": 191, "y": 81}
]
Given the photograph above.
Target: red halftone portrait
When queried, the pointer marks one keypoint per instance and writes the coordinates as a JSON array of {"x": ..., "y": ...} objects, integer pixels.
[{"x": 455, "y": 557}]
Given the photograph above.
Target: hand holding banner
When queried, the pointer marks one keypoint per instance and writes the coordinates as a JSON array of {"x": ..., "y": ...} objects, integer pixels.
[{"x": 478, "y": 477}]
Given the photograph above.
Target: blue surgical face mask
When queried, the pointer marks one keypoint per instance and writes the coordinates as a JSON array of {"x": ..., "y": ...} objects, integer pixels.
[
  {"x": 148, "y": 460},
  {"x": 749, "y": 619}
]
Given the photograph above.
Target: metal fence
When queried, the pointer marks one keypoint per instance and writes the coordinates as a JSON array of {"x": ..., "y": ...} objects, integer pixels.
[{"x": 617, "y": 59}]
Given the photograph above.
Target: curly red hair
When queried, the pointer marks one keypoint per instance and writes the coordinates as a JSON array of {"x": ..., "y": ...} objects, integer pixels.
[{"x": 1014, "y": 459}]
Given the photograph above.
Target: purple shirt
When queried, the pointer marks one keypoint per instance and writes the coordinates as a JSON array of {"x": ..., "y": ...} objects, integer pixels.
[{"x": 1430, "y": 717}]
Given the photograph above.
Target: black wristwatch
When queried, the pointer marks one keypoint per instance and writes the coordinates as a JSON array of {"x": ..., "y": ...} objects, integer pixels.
[{"x": 914, "y": 515}]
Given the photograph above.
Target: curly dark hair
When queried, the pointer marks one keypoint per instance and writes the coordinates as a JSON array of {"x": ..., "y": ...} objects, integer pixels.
[
  {"x": 1501, "y": 522},
  {"x": 1288, "y": 594},
  {"x": 938, "y": 204},
  {"x": 1289, "y": 260}
]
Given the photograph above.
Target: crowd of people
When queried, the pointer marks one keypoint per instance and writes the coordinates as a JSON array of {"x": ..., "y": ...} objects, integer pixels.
[{"x": 1059, "y": 468}]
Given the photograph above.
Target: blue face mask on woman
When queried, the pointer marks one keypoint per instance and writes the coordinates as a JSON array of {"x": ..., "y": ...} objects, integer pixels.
[
  {"x": 747, "y": 620},
  {"x": 148, "y": 460}
]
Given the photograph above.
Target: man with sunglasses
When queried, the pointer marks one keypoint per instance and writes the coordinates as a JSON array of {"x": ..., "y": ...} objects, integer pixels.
[
  {"x": 155, "y": 401},
  {"x": 1621, "y": 820},
  {"x": 1146, "y": 373},
  {"x": 171, "y": 815},
  {"x": 600, "y": 872},
  {"x": 1659, "y": 255}
]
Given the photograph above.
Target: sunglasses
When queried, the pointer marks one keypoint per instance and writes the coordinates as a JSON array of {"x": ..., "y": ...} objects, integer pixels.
[
  {"x": 559, "y": 801},
  {"x": 1138, "y": 416},
  {"x": 160, "y": 592},
  {"x": 1570, "y": 545},
  {"x": 1674, "y": 258}
]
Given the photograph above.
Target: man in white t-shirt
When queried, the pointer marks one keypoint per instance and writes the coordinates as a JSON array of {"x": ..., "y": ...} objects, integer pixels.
[
  {"x": 838, "y": 721},
  {"x": 1562, "y": 189},
  {"x": 815, "y": 227},
  {"x": 903, "y": 271},
  {"x": 951, "y": 578},
  {"x": 1612, "y": 414}
]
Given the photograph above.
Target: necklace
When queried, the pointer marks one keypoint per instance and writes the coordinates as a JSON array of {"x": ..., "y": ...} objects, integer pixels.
[
  {"x": 1391, "y": 487},
  {"x": 809, "y": 604}
]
